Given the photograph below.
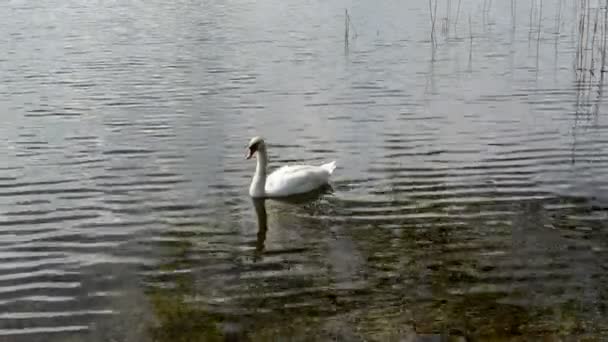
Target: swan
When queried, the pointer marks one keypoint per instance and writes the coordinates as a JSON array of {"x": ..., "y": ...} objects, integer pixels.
[{"x": 287, "y": 180}]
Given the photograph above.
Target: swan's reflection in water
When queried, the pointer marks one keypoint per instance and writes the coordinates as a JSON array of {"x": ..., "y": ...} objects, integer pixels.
[
  {"x": 262, "y": 216},
  {"x": 260, "y": 210}
]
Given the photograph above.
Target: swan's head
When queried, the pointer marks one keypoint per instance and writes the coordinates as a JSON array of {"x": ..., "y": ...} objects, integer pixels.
[{"x": 255, "y": 144}]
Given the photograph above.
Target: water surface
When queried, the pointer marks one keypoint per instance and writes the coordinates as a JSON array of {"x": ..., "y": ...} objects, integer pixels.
[{"x": 470, "y": 197}]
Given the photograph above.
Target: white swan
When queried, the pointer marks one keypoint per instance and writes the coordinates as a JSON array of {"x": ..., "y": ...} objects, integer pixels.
[{"x": 288, "y": 180}]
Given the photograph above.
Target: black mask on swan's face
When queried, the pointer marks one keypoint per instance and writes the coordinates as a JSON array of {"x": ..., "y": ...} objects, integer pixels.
[{"x": 255, "y": 145}]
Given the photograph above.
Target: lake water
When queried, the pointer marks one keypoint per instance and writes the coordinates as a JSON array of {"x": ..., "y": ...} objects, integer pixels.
[{"x": 470, "y": 198}]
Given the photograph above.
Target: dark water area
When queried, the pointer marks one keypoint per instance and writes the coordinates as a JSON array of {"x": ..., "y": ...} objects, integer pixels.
[{"x": 470, "y": 198}]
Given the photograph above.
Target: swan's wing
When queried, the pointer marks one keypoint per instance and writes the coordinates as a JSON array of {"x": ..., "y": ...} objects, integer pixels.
[{"x": 295, "y": 179}]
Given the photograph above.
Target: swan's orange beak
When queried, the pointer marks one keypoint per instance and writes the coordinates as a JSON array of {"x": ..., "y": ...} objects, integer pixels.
[{"x": 250, "y": 153}]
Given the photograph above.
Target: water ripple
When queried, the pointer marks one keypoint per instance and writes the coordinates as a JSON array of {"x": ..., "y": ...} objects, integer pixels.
[{"x": 469, "y": 196}]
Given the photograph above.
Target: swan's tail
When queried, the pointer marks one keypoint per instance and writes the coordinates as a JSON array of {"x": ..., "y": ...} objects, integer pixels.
[{"x": 330, "y": 167}]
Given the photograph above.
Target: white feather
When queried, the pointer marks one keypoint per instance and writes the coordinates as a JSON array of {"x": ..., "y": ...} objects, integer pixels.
[
  {"x": 287, "y": 180},
  {"x": 296, "y": 179}
]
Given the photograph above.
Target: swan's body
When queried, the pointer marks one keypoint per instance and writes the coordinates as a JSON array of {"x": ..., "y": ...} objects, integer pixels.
[{"x": 287, "y": 180}]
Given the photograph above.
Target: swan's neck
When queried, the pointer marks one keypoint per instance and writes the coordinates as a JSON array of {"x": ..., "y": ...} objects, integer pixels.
[{"x": 258, "y": 182}]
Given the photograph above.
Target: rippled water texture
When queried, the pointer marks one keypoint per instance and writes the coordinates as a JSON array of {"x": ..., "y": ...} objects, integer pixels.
[{"x": 470, "y": 198}]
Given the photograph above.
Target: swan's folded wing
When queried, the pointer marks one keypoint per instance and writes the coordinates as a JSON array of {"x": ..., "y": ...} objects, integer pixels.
[{"x": 295, "y": 179}]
